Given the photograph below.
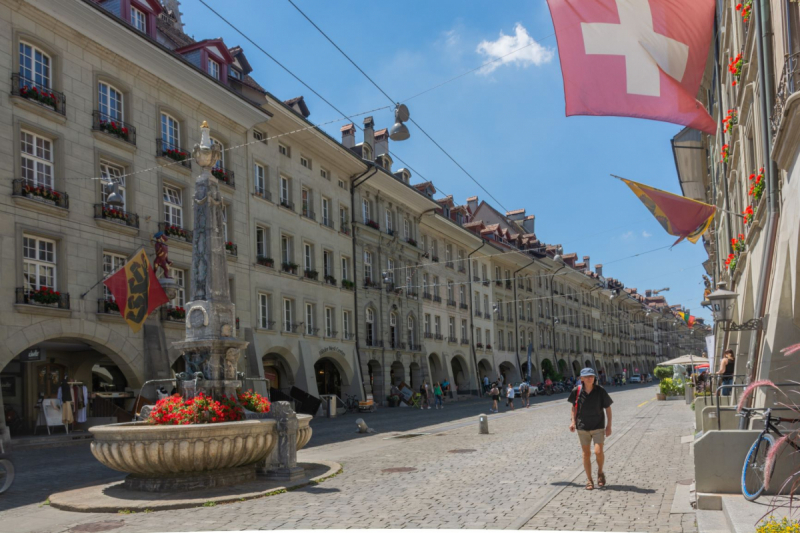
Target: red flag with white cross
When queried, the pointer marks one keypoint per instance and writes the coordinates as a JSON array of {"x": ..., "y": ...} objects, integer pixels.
[{"x": 635, "y": 58}]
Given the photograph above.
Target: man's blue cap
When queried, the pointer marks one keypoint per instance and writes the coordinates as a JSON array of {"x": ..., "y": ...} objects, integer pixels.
[{"x": 586, "y": 372}]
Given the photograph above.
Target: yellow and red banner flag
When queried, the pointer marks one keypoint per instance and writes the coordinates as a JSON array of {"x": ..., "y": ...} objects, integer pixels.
[
  {"x": 136, "y": 290},
  {"x": 680, "y": 216},
  {"x": 687, "y": 318}
]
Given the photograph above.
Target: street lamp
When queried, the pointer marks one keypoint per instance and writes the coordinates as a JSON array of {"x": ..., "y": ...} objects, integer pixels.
[{"x": 399, "y": 132}]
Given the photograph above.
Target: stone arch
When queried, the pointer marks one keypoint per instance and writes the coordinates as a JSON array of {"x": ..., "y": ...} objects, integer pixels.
[
  {"x": 397, "y": 373},
  {"x": 101, "y": 338},
  {"x": 509, "y": 372},
  {"x": 562, "y": 367},
  {"x": 415, "y": 375},
  {"x": 438, "y": 370},
  {"x": 461, "y": 374},
  {"x": 342, "y": 365},
  {"x": 374, "y": 383},
  {"x": 281, "y": 367},
  {"x": 588, "y": 364},
  {"x": 485, "y": 370},
  {"x": 576, "y": 368}
]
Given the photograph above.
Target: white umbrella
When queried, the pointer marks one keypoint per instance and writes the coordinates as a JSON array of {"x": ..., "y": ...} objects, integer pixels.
[{"x": 682, "y": 360}]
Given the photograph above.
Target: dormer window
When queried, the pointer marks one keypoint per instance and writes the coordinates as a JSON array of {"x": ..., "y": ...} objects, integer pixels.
[
  {"x": 138, "y": 19},
  {"x": 367, "y": 152},
  {"x": 213, "y": 68},
  {"x": 235, "y": 74}
]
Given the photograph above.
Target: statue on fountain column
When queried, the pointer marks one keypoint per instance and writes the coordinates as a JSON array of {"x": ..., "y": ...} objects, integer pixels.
[{"x": 162, "y": 255}]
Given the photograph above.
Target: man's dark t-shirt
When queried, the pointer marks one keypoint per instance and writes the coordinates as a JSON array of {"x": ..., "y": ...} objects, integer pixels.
[{"x": 591, "y": 408}]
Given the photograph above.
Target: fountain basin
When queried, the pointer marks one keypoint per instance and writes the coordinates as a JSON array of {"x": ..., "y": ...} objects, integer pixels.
[
  {"x": 303, "y": 430},
  {"x": 185, "y": 457}
]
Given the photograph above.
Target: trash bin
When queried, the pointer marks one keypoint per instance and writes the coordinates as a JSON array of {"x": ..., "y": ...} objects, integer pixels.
[{"x": 331, "y": 406}]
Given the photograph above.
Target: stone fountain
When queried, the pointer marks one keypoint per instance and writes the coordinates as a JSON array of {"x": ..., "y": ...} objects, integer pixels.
[{"x": 190, "y": 457}]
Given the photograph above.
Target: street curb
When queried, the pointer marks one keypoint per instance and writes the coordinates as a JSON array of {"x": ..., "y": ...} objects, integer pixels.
[{"x": 566, "y": 481}]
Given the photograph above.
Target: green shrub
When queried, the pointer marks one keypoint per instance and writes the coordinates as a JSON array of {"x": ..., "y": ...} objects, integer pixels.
[
  {"x": 662, "y": 372},
  {"x": 670, "y": 387}
]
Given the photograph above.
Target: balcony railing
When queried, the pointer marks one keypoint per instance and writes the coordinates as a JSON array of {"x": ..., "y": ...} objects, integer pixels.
[
  {"x": 348, "y": 336},
  {"x": 172, "y": 314},
  {"x": 291, "y": 268},
  {"x": 461, "y": 269},
  {"x": 107, "y": 306},
  {"x": 117, "y": 128},
  {"x": 310, "y": 274},
  {"x": 437, "y": 298},
  {"x": 486, "y": 283},
  {"x": 345, "y": 230},
  {"x": 224, "y": 176},
  {"x": 508, "y": 285},
  {"x": 788, "y": 85},
  {"x": 372, "y": 224},
  {"x": 449, "y": 264},
  {"x": 43, "y": 297},
  {"x": 231, "y": 249},
  {"x": 451, "y": 303},
  {"x": 45, "y": 96},
  {"x": 464, "y": 341},
  {"x": 40, "y": 193},
  {"x": 263, "y": 193},
  {"x": 463, "y": 306},
  {"x": 452, "y": 339},
  {"x": 286, "y": 204},
  {"x": 268, "y": 324},
  {"x": 177, "y": 232},
  {"x": 171, "y": 151},
  {"x": 427, "y": 295},
  {"x": 487, "y": 316},
  {"x": 265, "y": 261},
  {"x": 438, "y": 336},
  {"x": 328, "y": 223},
  {"x": 478, "y": 313},
  {"x": 330, "y": 280},
  {"x": 397, "y": 345},
  {"x": 427, "y": 335},
  {"x": 116, "y": 215},
  {"x": 414, "y": 347},
  {"x": 347, "y": 284},
  {"x": 435, "y": 258},
  {"x": 411, "y": 241},
  {"x": 308, "y": 213}
]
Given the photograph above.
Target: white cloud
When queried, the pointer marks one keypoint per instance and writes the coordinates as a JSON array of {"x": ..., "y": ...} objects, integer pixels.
[
  {"x": 533, "y": 53},
  {"x": 646, "y": 234},
  {"x": 627, "y": 235}
]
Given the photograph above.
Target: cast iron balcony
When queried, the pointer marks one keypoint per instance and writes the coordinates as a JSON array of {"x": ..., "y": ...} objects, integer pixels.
[
  {"x": 372, "y": 224},
  {"x": 464, "y": 341},
  {"x": 44, "y": 297},
  {"x": 290, "y": 268},
  {"x": 427, "y": 335},
  {"x": 478, "y": 312},
  {"x": 347, "y": 284},
  {"x": 345, "y": 230},
  {"x": 310, "y": 274},
  {"x": 451, "y": 303},
  {"x": 225, "y": 176},
  {"x": 463, "y": 306},
  {"x": 172, "y": 314},
  {"x": 116, "y": 215},
  {"x": 111, "y": 126},
  {"x": 438, "y": 336},
  {"x": 437, "y": 298},
  {"x": 286, "y": 204},
  {"x": 263, "y": 193},
  {"x": 171, "y": 151},
  {"x": 40, "y": 193},
  {"x": 330, "y": 280},
  {"x": 452, "y": 339},
  {"x": 176, "y": 232},
  {"x": 36, "y": 92}
]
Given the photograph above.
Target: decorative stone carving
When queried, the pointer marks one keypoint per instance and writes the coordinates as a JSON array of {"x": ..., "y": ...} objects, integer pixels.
[{"x": 281, "y": 463}]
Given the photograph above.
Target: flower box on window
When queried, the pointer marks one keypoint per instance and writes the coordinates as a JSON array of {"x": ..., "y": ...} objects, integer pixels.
[
  {"x": 330, "y": 280},
  {"x": 311, "y": 274},
  {"x": 43, "y": 96},
  {"x": 114, "y": 128},
  {"x": 177, "y": 231},
  {"x": 224, "y": 175},
  {"x": 412, "y": 242},
  {"x": 373, "y": 224},
  {"x": 289, "y": 267},
  {"x": 44, "y": 296},
  {"x": 176, "y": 313},
  {"x": 41, "y": 193},
  {"x": 265, "y": 261},
  {"x": 231, "y": 248},
  {"x": 347, "y": 284}
]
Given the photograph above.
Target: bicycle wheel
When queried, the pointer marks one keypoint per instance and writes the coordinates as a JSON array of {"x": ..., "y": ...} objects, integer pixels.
[
  {"x": 6, "y": 475},
  {"x": 753, "y": 472}
]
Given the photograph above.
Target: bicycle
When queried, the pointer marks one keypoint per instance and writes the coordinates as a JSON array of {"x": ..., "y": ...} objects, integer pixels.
[
  {"x": 6, "y": 470},
  {"x": 754, "y": 469},
  {"x": 351, "y": 403}
]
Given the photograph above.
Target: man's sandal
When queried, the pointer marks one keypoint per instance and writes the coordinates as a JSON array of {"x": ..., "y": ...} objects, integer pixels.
[
  {"x": 590, "y": 485},
  {"x": 601, "y": 479}
]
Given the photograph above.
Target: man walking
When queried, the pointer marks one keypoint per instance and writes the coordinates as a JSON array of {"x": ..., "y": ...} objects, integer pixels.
[
  {"x": 510, "y": 397},
  {"x": 590, "y": 406},
  {"x": 525, "y": 392}
]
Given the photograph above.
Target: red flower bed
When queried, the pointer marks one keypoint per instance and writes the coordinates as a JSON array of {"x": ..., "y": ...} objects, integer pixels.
[
  {"x": 252, "y": 401},
  {"x": 201, "y": 409}
]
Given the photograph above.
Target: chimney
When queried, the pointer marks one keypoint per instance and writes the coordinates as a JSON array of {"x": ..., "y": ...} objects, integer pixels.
[
  {"x": 529, "y": 224},
  {"x": 648, "y": 293},
  {"x": 348, "y": 135},
  {"x": 369, "y": 134},
  {"x": 516, "y": 215},
  {"x": 598, "y": 269},
  {"x": 382, "y": 143},
  {"x": 472, "y": 203},
  {"x": 586, "y": 262}
]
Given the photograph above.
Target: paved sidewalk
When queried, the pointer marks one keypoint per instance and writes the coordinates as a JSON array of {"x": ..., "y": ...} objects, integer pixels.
[{"x": 457, "y": 479}]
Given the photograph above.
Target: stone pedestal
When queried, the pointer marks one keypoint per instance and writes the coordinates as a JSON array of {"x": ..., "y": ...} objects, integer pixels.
[
  {"x": 483, "y": 425},
  {"x": 281, "y": 463}
]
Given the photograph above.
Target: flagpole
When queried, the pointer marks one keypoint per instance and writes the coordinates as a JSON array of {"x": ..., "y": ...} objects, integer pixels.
[{"x": 718, "y": 208}]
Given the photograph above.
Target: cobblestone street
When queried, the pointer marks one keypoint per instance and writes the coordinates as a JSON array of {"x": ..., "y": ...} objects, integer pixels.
[{"x": 526, "y": 474}]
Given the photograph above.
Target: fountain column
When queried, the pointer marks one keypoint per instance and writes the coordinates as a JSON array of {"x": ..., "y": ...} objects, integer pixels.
[{"x": 211, "y": 347}]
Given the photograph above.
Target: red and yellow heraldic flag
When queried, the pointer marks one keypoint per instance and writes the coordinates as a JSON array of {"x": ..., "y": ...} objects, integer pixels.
[
  {"x": 136, "y": 290},
  {"x": 680, "y": 216}
]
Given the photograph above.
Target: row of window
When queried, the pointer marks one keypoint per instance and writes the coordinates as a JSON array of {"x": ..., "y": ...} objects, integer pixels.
[{"x": 309, "y": 322}]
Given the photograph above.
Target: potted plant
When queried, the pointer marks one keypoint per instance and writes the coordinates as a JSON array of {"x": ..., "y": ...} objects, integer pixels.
[
  {"x": 663, "y": 374},
  {"x": 394, "y": 400}
]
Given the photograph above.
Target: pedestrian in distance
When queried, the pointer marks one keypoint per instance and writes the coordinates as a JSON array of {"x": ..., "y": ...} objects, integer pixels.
[
  {"x": 437, "y": 395},
  {"x": 525, "y": 394},
  {"x": 425, "y": 393},
  {"x": 494, "y": 392},
  {"x": 726, "y": 370},
  {"x": 485, "y": 384},
  {"x": 510, "y": 397},
  {"x": 591, "y": 404}
]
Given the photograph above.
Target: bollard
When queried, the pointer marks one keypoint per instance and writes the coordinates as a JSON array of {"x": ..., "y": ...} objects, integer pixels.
[
  {"x": 483, "y": 425},
  {"x": 362, "y": 427},
  {"x": 282, "y": 461}
]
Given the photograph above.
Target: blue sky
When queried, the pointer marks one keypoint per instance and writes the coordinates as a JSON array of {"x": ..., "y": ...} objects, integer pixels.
[{"x": 506, "y": 127}]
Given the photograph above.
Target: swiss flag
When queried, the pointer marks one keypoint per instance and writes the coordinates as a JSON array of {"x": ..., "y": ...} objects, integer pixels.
[{"x": 635, "y": 58}]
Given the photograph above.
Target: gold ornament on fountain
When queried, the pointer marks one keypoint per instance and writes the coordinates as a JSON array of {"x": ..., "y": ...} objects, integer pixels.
[{"x": 206, "y": 153}]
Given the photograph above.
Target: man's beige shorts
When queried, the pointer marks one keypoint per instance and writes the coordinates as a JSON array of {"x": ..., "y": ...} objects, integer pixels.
[{"x": 597, "y": 435}]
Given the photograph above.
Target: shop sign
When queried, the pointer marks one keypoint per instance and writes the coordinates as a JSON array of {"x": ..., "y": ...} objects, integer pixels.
[
  {"x": 332, "y": 349},
  {"x": 8, "y": 385},
  {"x": 32, "y": 356}
]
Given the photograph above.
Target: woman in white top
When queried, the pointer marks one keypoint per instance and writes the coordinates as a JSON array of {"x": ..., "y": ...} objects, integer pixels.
[{"x": 510, "y": 397}]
